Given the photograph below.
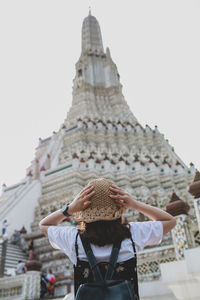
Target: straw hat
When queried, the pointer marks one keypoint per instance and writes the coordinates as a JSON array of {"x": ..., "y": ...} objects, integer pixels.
[{"x": 102, "y": 207}]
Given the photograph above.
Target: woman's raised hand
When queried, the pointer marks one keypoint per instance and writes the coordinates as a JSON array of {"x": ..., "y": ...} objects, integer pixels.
[
  {"x": 122, "y": 198},
  {"x": 81, "y": 201}
]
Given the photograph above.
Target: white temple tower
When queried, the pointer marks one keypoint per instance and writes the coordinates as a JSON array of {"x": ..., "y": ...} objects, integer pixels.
[{"x": 101, "y": 137}]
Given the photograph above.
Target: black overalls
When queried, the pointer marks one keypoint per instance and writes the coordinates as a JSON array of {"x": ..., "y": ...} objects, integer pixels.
[{"x": 126, "y": 270}]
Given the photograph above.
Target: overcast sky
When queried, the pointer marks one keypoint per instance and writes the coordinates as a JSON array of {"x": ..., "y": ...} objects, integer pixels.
[{"x": 155, "y": 44}]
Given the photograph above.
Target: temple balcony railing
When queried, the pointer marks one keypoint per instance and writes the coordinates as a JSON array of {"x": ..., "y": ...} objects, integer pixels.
[
  {"x": 20, "y": 287},
  {"x": 149, "y": 262}
]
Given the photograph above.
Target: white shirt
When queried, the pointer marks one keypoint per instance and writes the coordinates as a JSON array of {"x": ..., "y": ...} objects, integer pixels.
[
  {"x": 5, "y": 225},
  {"x": 143, "y": 233},
  {"x": 20, "y": 267},
  {"x": 50, "y": 277}
]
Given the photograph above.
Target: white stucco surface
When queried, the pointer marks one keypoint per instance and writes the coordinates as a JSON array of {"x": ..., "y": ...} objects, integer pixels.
[
  {"x": 153, "y": 290},
  {"x": 21, "y": 211},
  {"x": 182, "y": 277}
]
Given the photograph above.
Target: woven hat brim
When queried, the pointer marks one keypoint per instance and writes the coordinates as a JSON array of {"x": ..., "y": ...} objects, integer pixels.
[{"x": 90, "y": 215}]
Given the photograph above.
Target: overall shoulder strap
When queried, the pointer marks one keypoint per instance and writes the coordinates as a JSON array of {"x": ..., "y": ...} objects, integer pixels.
[
  {"x": 133, "y": 244},
  {"x": 91, "y": 259},
  {"x": 136, "y": 275},
  {"x": 113, "y": 260},
  {"x": 76, "y": 246},
  {"x": 135, "y": 253}
]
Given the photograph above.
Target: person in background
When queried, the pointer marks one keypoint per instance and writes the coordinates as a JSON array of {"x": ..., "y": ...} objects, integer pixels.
[
  {"x": 50, "y": 282},
  {"x": 21, "y": 268},
  {"x": 4, "y": 227},
  {"x": 15, "y": 238},
  {"x": 43, "y": 285},
  {"x": 30, "y": 245}
]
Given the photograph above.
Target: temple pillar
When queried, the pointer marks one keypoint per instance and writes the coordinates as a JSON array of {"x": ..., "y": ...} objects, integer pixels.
[
  {"x": 197, "y": 210},
  {"x": 179, "y": 209},
  {"x": 48, "y": 162},
  {"x": 69, "y": 285},
  {"x": 75, "y": 161},
  {"x": 179, "y": 237},
  {"x": 33, "y": 264},
  {"x": 194, "y": 189},
  {"x": 36, "y": 169}
]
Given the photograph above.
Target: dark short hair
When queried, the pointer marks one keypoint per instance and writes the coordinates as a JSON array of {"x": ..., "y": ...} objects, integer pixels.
[{"x": 103, "y": 233}]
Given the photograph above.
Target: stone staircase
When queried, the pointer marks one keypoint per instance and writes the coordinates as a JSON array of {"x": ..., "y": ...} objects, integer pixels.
[{"x": 9, "y": 257}]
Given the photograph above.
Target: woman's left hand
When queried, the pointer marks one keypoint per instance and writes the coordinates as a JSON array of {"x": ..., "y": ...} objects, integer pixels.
[
  {"x": 81, "y": 201},
  {"x": 122, "y": 198}
]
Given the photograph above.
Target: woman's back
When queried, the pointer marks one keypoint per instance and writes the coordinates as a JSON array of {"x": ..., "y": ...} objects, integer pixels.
[
  {"x": 102, "y": 201},
  {"x": 143, "y": 234}
]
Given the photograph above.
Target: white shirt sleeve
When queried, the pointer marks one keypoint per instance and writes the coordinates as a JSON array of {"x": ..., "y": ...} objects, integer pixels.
[
  {"x": 146, "y": 233},
  {"x": 62, "y": 237}
]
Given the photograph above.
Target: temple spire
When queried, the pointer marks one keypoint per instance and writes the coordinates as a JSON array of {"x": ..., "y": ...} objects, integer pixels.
[
  {"x": 91, "y": 35},
  {"x": 97, "y": 74}
]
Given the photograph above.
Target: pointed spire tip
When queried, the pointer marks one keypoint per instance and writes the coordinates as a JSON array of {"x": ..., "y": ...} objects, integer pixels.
[{"x": 89, "y": 10}]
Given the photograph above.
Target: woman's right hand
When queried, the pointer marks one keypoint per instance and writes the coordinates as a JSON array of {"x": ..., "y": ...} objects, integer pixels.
[{"x": 81, "y": 201}]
